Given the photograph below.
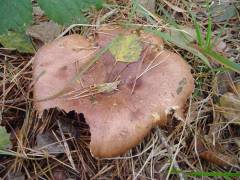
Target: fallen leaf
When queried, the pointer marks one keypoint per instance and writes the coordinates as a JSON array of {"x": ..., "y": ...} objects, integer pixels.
[
  {"x": 5, "y": 138},
  {"x": 230, "y": 104},
  {"x": 222, "y": 11},
  {"x": 47, "y": 141},
  {"x": 16, "y": 176},
  {"x": 237, "y": 86},
  {"x": 224, "y": 81},
  {"x": 18, "y": 41},
  {"x": 220, "y": 46},
  {"x": 213, "y": 156},
  {"x": 126, "y": 48},
  {"x": 59, "y": 173},
  {"x": 148, "y": 4},
  {"x": 175, "y": 8},
  {"x": 237, "y": 141},
  {"x": 45, "y": 31}
]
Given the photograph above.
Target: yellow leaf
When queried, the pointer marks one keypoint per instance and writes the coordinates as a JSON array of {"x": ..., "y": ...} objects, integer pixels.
[{"x": 126, "y": 48}]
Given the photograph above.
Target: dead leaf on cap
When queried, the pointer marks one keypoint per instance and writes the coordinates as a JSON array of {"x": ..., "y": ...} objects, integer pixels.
[{"x": 126, "y": 48}]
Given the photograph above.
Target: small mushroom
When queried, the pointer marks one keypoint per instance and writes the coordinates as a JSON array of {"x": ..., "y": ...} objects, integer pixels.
[{"x": 120, "y": 101}]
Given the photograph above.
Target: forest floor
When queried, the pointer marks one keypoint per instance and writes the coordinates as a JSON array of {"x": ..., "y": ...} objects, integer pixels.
[{"x": 205, "y": 145}]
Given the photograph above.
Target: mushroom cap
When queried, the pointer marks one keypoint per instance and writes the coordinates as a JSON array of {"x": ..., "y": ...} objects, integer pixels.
[{"x": 148, "y": 90}]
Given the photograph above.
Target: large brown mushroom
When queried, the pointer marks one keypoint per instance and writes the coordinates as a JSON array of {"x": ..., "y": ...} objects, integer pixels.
[{"x": 120, "y": 101}]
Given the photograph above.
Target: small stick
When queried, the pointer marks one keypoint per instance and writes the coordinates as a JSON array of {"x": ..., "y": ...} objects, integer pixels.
[
  {"x": 139, "y": 68},
  {"x": 66, "y": 147},
  {"x": 170, "y": 151}
]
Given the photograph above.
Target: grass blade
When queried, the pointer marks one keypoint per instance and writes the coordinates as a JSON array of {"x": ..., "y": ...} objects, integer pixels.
[
  {"x": 222, "y": 60},
  {"x": 187, "y": 47},
  {"x": 209, "y": 33},
  {"x": 198, "y": 33}
]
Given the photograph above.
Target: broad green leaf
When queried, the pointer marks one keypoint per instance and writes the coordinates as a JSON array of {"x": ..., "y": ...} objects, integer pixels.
[
  {"x": 15, "y": 15},
  {"x": 126, "y": 48},
  {"x": 67, "y": 12},
  {"x": 4, "y": 138},
  {"x": 17, "y": 41}
]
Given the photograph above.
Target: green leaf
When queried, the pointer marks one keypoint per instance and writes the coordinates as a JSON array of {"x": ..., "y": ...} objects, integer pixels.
[
  {"x": 126, "y": 48},
  {"x": 98, "y": 4},
  {"x": 209, "y": 34},
  {"x": 222, "y": 60},
  {"x": 199, "y": 33},
  {"x": 4, "y": 138},
  {"x": 67, "y": 12},
  {"x": 182, "y": 34},
  {"x": 181, "y": 44},
  {"x": 18, "y": 41},
  {"x": 15, "y": 15}
]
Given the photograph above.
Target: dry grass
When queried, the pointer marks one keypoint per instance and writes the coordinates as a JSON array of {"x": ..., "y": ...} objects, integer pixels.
[{"x": 175, "y": 146}]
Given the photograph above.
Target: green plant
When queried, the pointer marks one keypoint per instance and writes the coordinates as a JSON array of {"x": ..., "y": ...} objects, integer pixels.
[
  {"x": 206, "y": 45},
  {"x": 16, "y": 16},
  {"x": 5, "y": 138},
  {"x": 207, "y": 174}
]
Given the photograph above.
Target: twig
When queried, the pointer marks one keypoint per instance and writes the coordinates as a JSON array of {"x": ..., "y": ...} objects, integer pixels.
[
  {"x": 68, "y": 153},
  {"x": 170, "y": 151},
  {"x": 149, "y": 67},
  {"x": 139, "y": 68}
]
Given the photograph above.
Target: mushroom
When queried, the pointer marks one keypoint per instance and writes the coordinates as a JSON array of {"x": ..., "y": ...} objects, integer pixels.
[{"x": 120, "y": 101}]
